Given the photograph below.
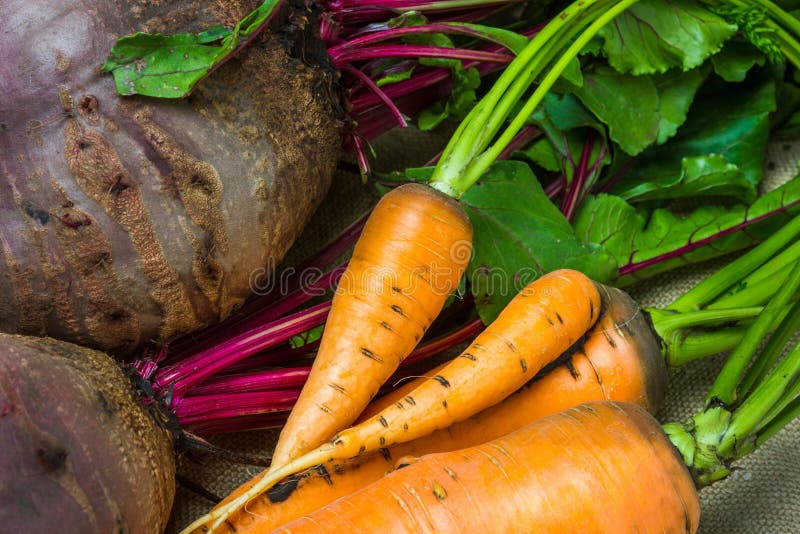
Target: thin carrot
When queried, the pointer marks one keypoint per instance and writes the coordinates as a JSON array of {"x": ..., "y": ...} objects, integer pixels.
[
  {"x": 541, "y": 322},
  {"x": 619, "y": 359},
  {"x": 410, "y": 256},
  {"x": 600, "y": 467}
]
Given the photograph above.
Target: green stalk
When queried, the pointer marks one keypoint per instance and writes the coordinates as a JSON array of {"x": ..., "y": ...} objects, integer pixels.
[
  {"x": 453, "y": 174},
  {"x": 679, "y": 347},
  {"x": 724, "y": 431},
  {"x": 788, "y": 256},
  {"x": 667, "y": 323},
  {"x": 545, "y": 56},
  {"x": 789, "y": 396},
  {"x": 724, "y": 389},
  {"x": 772, "y": 350},
  {"x": 686, "y": 346},
  {"x": 789, "y": 46},
  {"x": 464, "y": 143},
  {"x": 775, "y": 424},
  {"x": 474, "y": 171},
  {"x": 694, "y": 346},
  {"x": 750, "y": 416},
  {"x": 724, "y": 278},
  {"x": 754, "y": 292}
]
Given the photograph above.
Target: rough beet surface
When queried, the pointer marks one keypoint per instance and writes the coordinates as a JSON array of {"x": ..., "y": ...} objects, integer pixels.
[
  {"x": 124, "y": 220},
  {"x": 79, "y": 452}
]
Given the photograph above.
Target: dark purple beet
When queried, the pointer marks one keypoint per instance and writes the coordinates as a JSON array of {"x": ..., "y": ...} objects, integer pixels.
[
  {"x": 78, "y": 452},
  {"x": 124, "y": 220}
]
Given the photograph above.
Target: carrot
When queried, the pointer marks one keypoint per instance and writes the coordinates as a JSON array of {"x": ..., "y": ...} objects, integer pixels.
[
  {"x": 619, "y": 359},
  {"x": 410, "y": 256},
  {"x": 541, "y": 322},
  {"x": 599, "y": 467}
]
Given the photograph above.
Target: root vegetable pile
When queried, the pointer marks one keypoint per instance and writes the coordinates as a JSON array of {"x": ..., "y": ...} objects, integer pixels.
[{"x": 135, "y": 220}]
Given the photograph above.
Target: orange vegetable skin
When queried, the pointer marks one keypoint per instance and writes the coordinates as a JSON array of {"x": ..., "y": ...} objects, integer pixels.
[
  {"x": 409, "y": 258},
  {"x": 597, "y": 468},
  {"x": 540, "y": 323},
  {"x": 619, "y": 359}
]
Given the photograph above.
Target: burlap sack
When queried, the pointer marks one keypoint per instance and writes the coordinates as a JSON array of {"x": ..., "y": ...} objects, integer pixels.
[{"x": 761, "y": 496}]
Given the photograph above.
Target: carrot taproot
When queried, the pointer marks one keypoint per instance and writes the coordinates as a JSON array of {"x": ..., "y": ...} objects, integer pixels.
[
  {"x": 409, "y": 258},
  {"x": 599, "y": 467},
  {"x": 548, "y": 316},
  {"x": 619, "y": 359}
]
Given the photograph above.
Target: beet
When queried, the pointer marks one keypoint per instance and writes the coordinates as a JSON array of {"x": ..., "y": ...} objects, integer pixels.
[
  {"x": 80, "y": 453},
  {"x": 126, "y": 219}
]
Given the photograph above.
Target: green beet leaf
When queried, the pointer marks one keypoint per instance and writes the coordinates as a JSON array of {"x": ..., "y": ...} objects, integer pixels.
[
  {"x": 520, "y": 235},
  {"x": 654, "y": 36},
  {"x": 564, "y": 120},
  {"x": 627, "y": 104},
  {"x": 676, "y": 91},
  {"x": 541, "y": 153},
  {"x": 465, "y": 82},
  {"x": 461, "y": 100},
  {"x": 169, "y": 66},
  {"x": 736, "y": 59},
  {"x": 645, "y": 244},
  {"x": 306, "y": 338},
  {"x": 719, "y": 150},
  {"x": 640, "y": 110},
  {"x": 165, "y": 66},
  {"x": 709, "y": 175}
]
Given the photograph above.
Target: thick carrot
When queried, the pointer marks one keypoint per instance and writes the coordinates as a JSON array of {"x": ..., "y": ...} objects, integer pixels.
[
  {"x": 541, "y": 322},
  {"x": 599, "y": 467},
  {"x": 410, "y": 256},
  {"x": 619, "y": 359}
]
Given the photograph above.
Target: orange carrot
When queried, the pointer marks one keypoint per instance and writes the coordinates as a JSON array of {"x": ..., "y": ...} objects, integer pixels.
[
  {"x": 597, "y": 468},
  {"x": 410, "y": 256},
  {"x": 541, "y": 322},
  {"x": 619, "y": 359}
]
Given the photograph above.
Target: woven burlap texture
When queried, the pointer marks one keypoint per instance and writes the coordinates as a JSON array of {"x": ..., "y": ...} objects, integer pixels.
[{"x": 761, "y": 496}]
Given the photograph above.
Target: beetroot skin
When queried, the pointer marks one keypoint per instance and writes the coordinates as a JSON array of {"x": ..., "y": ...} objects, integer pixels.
[
  {"x": 125, "y": 220},
  {"x": 79, "y": 451}
]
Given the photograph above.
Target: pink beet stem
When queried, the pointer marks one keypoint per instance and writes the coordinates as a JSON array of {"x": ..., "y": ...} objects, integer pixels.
[{"x": 184, "y": 375}]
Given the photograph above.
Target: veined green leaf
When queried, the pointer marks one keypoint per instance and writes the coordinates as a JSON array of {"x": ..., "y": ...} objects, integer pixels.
[
  {"x": 520, "y": 235},
  {"x": 564, "y": 121},
  {"x": 718, "y": 151},
  {"x": 653, "y": 36},
  {"x": 736, "y": 59},
  {"x": 640, "y": 110},
  {"x": 646, "y": 244},
  {"x": 541, "y": 153},
  {"x": 169, "y": 66}
]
